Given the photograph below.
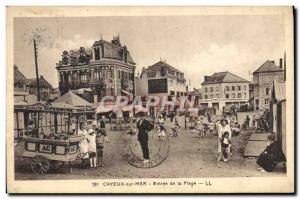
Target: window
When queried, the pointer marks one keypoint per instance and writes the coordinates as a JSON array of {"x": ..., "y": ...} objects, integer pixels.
[
  {"x": 205, "y": 89},
  {"x": 211, "y": 96},
  {"x": 233, "y": 88},
  {"x": 217, "y": 89},
  {"x": 97, "y": 53},
  {"x": 245, "y": 95},
  {"x": 239, "y": 88},
  {"x": 233, "y": 95},
  {"x": 239, "y": 95},
  {"x": 227, "y": 88},
  {"x": 96, "y": 74},
  {"x": 83, "y": 78},
  {"x": 227, "y": 96},
  {"x": 266, "y": 101},
  {"x": 205, "y": 96},
  {"x": 267, "y": 91},
  {"x": 172, "y": 93},
  {"x": 217, "y": 96},
  {"x": 211, "y": 89},
  {"x": 245, "y": 87}
]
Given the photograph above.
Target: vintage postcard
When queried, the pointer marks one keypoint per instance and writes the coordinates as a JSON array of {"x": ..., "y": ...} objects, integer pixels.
[{"x": 150, "y": 100}]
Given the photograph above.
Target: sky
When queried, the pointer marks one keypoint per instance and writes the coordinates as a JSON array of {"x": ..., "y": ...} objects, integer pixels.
[{"x": 196, "y": 45}]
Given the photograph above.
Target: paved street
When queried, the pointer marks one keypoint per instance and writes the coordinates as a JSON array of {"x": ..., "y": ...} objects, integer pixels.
[{"x": 189, "y": 156}]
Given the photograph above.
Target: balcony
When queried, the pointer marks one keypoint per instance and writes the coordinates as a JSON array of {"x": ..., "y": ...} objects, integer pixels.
[{"x": 96, "y": 82}]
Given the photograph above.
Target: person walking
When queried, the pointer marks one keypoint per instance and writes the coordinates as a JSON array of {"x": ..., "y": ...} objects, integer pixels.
[{"x": 144, "y": 127}]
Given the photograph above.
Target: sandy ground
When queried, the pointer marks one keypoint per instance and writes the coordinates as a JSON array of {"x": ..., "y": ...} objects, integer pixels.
[{"x": 189, "y": 157}]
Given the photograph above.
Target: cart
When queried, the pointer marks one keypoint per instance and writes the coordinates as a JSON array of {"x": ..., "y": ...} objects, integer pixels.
[
  {"x": 48, "y": 139},
  {"x": 48, "y": 154}
]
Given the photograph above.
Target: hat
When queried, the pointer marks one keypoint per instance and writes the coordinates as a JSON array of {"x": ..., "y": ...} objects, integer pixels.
[{"x": 91, "y": 131}]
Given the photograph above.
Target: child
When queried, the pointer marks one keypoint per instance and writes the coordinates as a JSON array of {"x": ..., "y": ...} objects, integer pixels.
[
  {"x": 161, "y": 132},
  {"x": 175, "y": 128},
  {"x": 100, "y": 139},
  {"x": 225, "y": 142},
  {"x": 84, "y": 145},
  {"x": 92, "y": 145}
]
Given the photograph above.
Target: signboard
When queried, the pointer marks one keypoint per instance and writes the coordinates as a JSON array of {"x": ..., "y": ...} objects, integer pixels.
[
  {"x": 46, "y": 148},
  {"x": 73, "y": 149},
  {"x": 158, "y": 86}
]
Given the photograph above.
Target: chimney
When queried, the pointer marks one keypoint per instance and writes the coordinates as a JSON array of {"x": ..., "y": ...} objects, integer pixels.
[
  {"x": 280, "y": 63},
  {"x": 273, "y": 62}
]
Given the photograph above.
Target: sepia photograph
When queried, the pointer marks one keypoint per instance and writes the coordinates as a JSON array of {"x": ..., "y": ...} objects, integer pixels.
[{"x": 150, "y": 100}]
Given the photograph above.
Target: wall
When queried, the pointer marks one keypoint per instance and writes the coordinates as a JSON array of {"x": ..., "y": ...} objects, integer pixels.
[{"x": 283, "y": 123}]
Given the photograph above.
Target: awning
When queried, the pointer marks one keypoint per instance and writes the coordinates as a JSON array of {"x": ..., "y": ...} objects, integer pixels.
[{"x": 63, "y": 105}]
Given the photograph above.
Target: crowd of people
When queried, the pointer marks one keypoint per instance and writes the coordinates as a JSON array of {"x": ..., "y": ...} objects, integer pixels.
[{"x": 223, "y": 127}]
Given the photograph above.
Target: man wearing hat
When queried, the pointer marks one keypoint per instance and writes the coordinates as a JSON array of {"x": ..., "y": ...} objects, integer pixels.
[{"x": 144, "y": 126}]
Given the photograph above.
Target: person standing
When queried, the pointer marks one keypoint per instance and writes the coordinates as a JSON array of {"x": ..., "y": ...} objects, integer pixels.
[
  {"x": 92, "y": 144},
  {"x": 83, "y": 145},
  {"x": 223, "y": 126},
  {"x": 144, "y": 127},
  {"x": 101, "y": 137},
  {"x": 161, "y": 119}
]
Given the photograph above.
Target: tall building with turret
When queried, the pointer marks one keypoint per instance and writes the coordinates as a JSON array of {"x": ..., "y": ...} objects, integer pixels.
[{"x": 105, "y": 69}]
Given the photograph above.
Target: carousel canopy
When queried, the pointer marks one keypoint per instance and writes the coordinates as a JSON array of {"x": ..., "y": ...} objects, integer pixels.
[{"x": 72, "y": 99}]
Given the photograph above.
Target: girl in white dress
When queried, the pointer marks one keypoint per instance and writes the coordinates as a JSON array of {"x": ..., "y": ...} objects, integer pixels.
[
  {"x": 83, "y": 145},
  {"x": 92, "y": 146}
]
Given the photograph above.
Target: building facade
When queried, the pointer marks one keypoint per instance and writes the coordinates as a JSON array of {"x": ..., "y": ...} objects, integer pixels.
[
  {"x": 25, "y": 89},
  {"x": 106, "y": 68},
  {"x": 263, "y": 79},
  {"x": 161, "y": 79},
  {"x": 223, "y": 90}
]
